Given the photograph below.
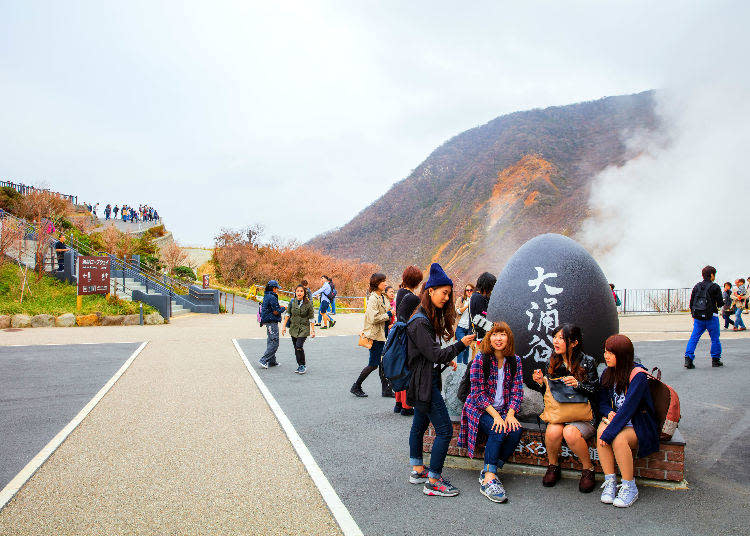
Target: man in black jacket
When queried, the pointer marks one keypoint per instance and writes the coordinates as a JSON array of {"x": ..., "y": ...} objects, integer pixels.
[{"x": 705, "y": 301}]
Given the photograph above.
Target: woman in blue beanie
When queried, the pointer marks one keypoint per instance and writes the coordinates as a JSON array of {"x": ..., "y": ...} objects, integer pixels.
[{"x": 433, "y": 322}]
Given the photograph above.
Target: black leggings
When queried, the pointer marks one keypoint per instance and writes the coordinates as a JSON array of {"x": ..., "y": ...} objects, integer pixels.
[{"x": 299, "y": 351}]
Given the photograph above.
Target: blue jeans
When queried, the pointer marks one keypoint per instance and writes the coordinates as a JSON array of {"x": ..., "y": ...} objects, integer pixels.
[
  {"x": 499, "y": 445},
  {"x": 738, "y": 322},
  {"x": 376, "y": 353},
  {"x": 333, "y": 306},
  {"x": 441, "y": 421},
  {"x": 272, "y": 343},
  {"x": 463, "y": 357},
  {"x": 699, "y": 326},
  {"x": 323, "y": 308}
]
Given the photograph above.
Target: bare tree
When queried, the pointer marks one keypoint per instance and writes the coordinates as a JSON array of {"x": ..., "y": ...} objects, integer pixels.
[
  {"x": 11, "y": 237},
  {"x": 172, "y": 255}
]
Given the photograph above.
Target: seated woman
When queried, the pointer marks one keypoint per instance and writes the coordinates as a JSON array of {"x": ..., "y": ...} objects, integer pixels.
[
  {"x": 577, "y": 370},
  {"x": 629, "y": 423},
  {"x": 491, "y": 405}
]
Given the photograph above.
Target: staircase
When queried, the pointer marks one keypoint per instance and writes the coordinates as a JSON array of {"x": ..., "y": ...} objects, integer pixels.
[{"x": 126, "y": 293}]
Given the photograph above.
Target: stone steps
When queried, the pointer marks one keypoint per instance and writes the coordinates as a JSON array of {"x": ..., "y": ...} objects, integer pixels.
[{"x": 131, "y": 285}]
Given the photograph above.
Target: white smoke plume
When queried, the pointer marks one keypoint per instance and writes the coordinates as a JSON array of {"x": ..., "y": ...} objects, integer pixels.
[{"x": 684, "y": 202}]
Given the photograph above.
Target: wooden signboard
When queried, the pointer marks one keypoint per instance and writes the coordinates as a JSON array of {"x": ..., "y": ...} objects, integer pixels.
[
  {"x": 93, "y": 275},
  {"x": 205, "y": 280}
]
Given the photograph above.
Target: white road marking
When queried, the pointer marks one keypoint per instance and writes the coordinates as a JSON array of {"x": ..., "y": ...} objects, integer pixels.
[
  {"x": 345, "y": 520},
  {"x": 65, "y": 344},
  {"x": 9, "y": 491}
]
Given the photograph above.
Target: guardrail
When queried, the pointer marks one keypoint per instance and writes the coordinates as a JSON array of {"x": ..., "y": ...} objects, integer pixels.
[
  {"x": 653, "y": 300},
  {"x": 25, "y": 189},
  {"x": 348, "y": 304}
]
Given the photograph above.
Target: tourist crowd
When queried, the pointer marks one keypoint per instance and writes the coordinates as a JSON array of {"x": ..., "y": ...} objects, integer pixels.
[{"x": 615, "y": 410}]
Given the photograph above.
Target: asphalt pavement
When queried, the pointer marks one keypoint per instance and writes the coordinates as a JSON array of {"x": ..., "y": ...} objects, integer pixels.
[
  {"x": 42, "y": 388},
  {"x": 362, "y": 447}
]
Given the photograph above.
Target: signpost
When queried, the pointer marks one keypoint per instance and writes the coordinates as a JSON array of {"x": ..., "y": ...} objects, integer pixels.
[
  {"x": 93, "y": 275},
  {"x": 205, "y": 280}
]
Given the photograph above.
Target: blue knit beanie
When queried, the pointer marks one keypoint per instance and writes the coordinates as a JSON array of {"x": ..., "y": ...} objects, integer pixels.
[{"x": 438, "y": 277}]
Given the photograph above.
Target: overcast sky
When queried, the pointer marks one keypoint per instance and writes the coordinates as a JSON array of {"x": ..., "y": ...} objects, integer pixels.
[{"x": 294, "y": 115}]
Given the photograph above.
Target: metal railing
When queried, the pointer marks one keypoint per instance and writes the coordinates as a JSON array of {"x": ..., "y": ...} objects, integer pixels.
[
  {"x": 653, "y": 300},
  {"x": 25, "y": 189}
]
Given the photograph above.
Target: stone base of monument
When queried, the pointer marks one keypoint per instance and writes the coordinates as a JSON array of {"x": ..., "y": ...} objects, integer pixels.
[{"x": 665, "y": 468}]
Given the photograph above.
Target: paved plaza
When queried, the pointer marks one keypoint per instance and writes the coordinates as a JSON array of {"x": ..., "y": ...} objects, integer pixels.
[{"x": 185, "y": 443}]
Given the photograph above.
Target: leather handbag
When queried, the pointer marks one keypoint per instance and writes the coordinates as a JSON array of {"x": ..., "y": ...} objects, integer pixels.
[
  {"x": 563, "y": 404},
  {"x": 365, "y": 342}
]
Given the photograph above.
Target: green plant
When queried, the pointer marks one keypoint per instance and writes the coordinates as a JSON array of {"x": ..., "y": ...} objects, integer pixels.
[
  {"x": 184, "y": 272},
  {"x": 8, "y": 198}
]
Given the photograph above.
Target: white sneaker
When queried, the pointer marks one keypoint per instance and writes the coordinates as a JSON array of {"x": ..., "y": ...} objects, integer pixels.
[
  {"x": 609, "y": 491},
  {"x": 626, "y": 496}
]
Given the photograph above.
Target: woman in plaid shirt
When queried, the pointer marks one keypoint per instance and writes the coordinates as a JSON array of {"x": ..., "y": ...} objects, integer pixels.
[{"x": 491, "y": 406}]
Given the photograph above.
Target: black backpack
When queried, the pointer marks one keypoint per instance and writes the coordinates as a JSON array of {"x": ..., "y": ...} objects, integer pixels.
[
  {"x": 331, "y": 295},
  {"x": 700, "y": 309}
]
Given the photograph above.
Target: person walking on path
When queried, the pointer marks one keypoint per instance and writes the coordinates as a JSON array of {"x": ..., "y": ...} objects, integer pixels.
[
  {"x": 739, "y": 298},
  {"x": 705, "y": 301},
  {"x": 434, "y": 323},
  {"x": 325, "y": 302},
  {"x": 377, "y": 315},
  {"x": 728, "y": 309},
  {"x": 332, "y": 295},
  {"x": 405, "y": 304},
  {"x": 270, "y": 316},
  {"x": 463, "y": 328},
  {"x": 300, "y": 319}
]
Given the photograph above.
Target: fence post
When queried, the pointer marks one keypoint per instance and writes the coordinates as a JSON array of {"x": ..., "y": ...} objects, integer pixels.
[
  {"x": 669, "y": 300},
  {"x": 625, "y": 301}
]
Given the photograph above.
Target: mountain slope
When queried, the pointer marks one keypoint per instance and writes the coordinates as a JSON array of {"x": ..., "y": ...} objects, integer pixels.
[{"x": 483, "y": 193}]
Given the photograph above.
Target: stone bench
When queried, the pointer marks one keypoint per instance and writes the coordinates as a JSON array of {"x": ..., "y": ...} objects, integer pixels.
[{"x": 667, "y": 465}]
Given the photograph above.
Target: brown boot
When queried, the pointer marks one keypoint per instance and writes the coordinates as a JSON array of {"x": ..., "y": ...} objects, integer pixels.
[
  {"x": 587, "y": 482},
  {"x": 552, "y": 475}
]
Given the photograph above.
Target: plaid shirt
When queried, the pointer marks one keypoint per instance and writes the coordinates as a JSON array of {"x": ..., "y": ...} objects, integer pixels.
[{"x": 482, "y": 394}]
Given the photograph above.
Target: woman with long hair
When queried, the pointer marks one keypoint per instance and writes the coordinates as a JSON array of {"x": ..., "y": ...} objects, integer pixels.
[
  {"x": 377, "y": 315},
  {"x": 301, "y": 321},
  {"x": 463, "y": 327},
  {"x": 406, "y": 303},
  {"x": 577, "y": 370},
  {"x": 433, "y": 323},
  {"x": 628, "y": 424},
  {"x": 491, "y": 406}
]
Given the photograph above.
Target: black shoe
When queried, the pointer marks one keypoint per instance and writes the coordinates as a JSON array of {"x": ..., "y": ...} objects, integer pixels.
[
  {"x": 333, "y": 323},
  {"x": 356, "y": 390},
  {"x": 407, "y": 412},
  {"x": 689, "y": 363},
  {"x": 387, "y": 393},
  {"x": 716, "y": 362},
  {"x": 397, "y": 408}
]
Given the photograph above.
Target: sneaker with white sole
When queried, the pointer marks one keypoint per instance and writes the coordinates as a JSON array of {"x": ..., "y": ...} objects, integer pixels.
[
  {"x": 627, "y": 495},
  {"x": 262, "y": 364},
  {"x": 441, "y": 488},
  {"x": 418, "y": 477},
  {"x": 609, "y": 491},
  {"x": 494, "y": 491},
  {"x": 301, "y": 369}
]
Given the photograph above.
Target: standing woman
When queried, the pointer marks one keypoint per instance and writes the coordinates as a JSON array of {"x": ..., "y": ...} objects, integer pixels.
[
  {"x": 270, "y": 316},
  {"x": 463, "y": 328},
  {"x": 629, "y": 423},
  {"x": 406, "y": 303},
  {"x": 377, "y": 315},
  {"x": 491, "y": 407},
  {"x": 425, "y": 333},
  {"x": 301, "y": 320},
  {"x": 577, "y": 370}
]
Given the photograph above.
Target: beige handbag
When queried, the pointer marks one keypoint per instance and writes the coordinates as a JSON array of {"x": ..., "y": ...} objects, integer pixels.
[
  {"x": 365, "y": 342},
  {"x": 563, "y": 404}
]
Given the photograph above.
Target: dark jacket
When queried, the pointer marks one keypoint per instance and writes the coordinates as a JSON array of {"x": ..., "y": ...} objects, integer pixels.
[
  {"x": 425, "y": 356},
  {"x": 715, "y": 299},
  {"x": 300, "y": 315},
  {"x": 270, "y": 310},
  {"x": 477, "y": 306},
  {"x": 637, "y": 408},
  {"x": 588, "y": 387},
  {"x": 406, "y": 303},
  {"x": 728, "y": 302}
]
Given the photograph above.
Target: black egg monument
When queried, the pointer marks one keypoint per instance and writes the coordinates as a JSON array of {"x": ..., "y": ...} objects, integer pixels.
[{"x": 553, "y": 280}]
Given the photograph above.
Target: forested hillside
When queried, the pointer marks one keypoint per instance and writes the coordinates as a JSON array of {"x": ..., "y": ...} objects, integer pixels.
[{"x": 483, "y": 193}]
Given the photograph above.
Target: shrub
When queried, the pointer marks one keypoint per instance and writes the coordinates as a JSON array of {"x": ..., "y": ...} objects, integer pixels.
[{"x": 184, "y": 272}]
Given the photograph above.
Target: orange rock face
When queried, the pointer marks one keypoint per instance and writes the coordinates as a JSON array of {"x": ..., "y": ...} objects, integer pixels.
[{"x": 87, "y": 320}]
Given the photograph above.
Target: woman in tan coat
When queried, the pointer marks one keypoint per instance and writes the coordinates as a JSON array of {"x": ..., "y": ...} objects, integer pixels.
[{"x": 377, "y": 314}]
